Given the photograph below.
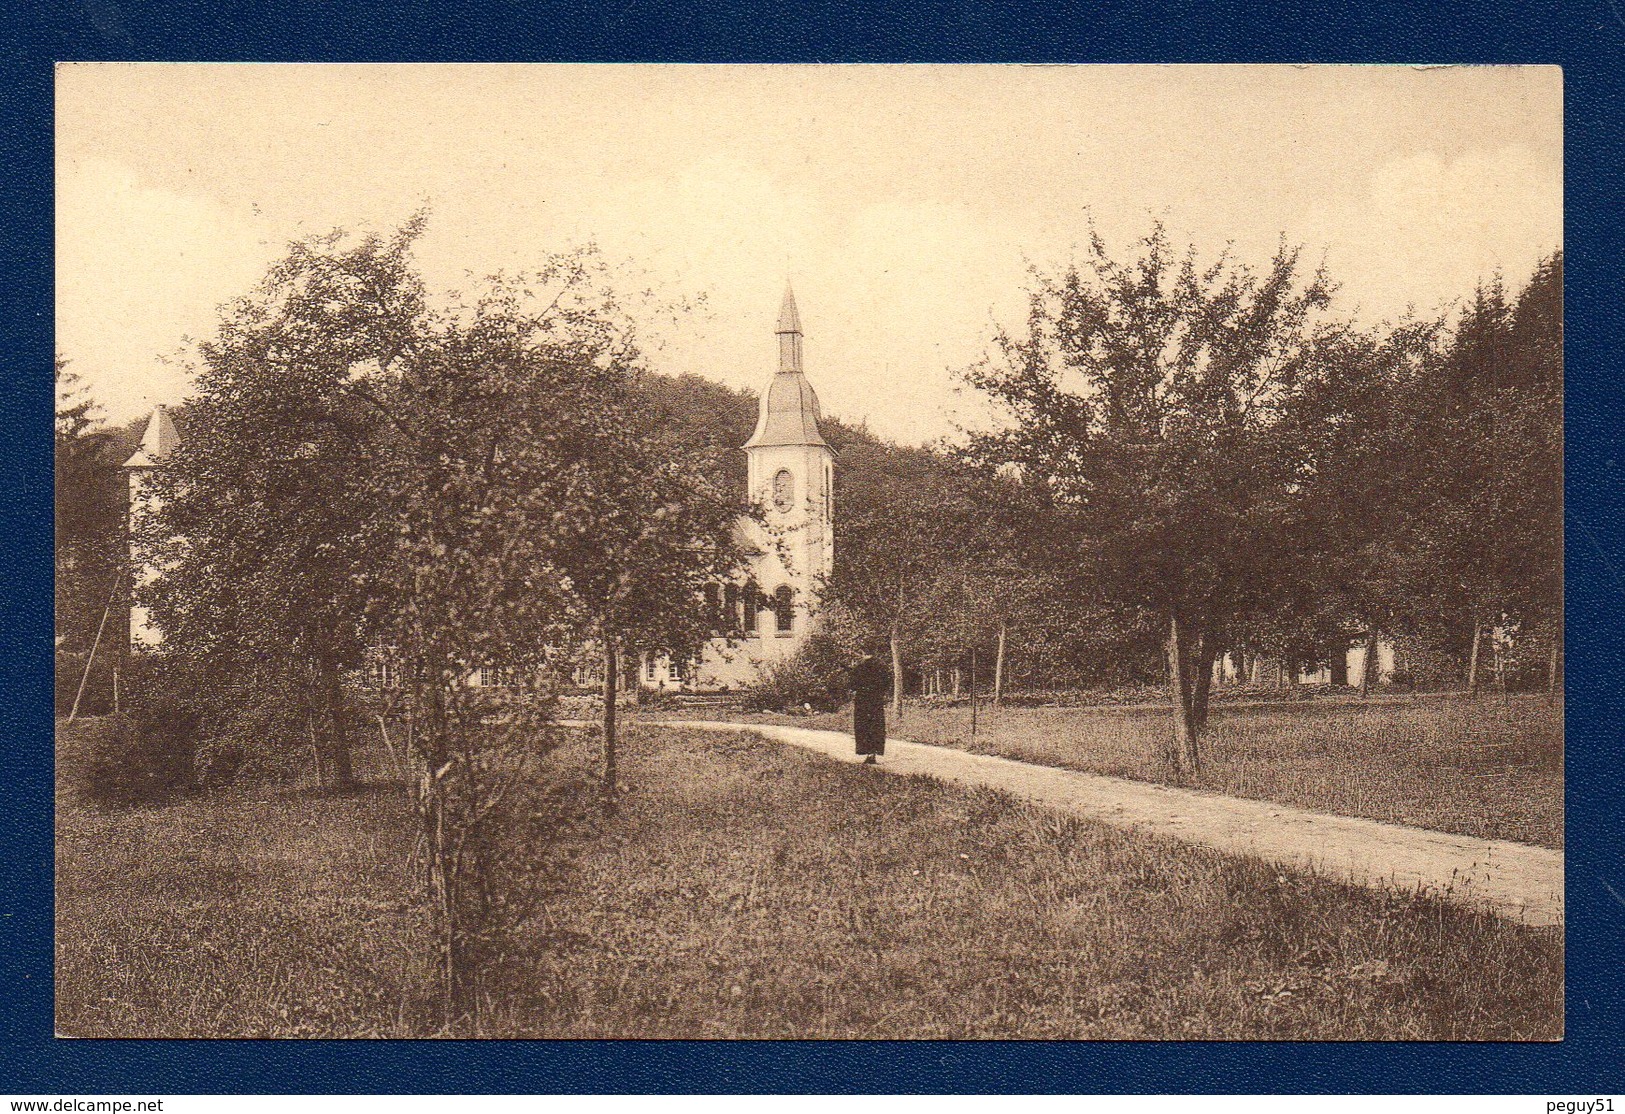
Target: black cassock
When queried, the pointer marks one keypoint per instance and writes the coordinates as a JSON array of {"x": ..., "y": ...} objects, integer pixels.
[{"x": 871, "y": 685}]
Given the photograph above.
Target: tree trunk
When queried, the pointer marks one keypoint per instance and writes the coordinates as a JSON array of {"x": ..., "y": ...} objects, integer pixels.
[
  {"x": 341, "y": 767},
  {"x": 1472, "y": 661},
  {"x": 1339, "y": 663},
  {"x": 342, "y": 772},
  {"x": 1369, "y": 668},
  {"x": 973, "y": 692},
  {"x": 1201, "y": 681},
  {"x": 998, "y": 670},
  {"x": 896, "y": 674},
  {"x": 611, "y": 675},
  {"x": 1181, "y": 753},
  {"x": 956, "y": 682},
  {"x": 1500, "y": 668},
  {"x": 319, "y": 768}
]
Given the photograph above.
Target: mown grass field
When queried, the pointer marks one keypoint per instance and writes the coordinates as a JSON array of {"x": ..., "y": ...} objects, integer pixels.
[
  {"x": 752, "y": 890},
  {"x": 253, "y": 913},
  {"x": 1479, "y": 768}
]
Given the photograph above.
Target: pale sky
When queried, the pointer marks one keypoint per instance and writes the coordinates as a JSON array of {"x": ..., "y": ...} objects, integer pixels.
[{"x": 904, "y": 202}]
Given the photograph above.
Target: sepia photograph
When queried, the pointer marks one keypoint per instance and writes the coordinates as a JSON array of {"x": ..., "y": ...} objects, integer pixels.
[{"x": 809, "y": 552}]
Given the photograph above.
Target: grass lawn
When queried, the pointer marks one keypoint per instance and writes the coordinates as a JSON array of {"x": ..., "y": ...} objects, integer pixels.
[
  {"x": 1476, "y": 768},
  {"x": 265, "y": 912},
  {"x": 752, "y": 890}
]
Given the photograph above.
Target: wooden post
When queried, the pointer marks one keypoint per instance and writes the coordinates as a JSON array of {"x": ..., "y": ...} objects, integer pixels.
[
  {"x": 896, "y": 674},
  {"x": 973, "y": 690},
  {"x": 611, "y": 675},
  {"x": 998, "y": 671},
  {"x": 1472, "y": 661},
  {"x": 1500, "y": 669}
]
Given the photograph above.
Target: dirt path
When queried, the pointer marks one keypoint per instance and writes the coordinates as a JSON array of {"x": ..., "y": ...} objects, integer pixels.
[{"x": 1516, "y": 880}]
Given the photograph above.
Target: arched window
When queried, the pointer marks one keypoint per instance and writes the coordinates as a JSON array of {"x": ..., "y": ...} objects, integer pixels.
[
  {"x": 784, "y": 612},
  {"x": 753, "y": 604}
]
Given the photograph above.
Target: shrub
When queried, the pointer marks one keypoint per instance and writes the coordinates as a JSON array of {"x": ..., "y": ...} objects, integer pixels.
[
  {"x": 148, "y": 751},
  {"x": 253, "y": 728},
  {"x": 790, "y": 686},
  {"x": 815, "y": 674}
]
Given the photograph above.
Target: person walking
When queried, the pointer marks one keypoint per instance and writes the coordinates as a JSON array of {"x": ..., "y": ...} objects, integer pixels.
[{"x": 871, "y": 685}]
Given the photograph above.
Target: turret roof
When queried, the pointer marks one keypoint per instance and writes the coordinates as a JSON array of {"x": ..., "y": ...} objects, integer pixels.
[{"x": 157, "y": 442}]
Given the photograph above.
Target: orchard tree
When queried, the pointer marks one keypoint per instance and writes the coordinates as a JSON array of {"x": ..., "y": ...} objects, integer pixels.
[
  {"x": 658, "y": 529},
  {"x": 526, "y": 509},
  {"x": 263, "y": 519},
  {"x": 1142, "y": 408},
  {"x": 906, "y": 516}
]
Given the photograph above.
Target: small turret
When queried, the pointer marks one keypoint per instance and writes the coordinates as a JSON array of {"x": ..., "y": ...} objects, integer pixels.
[{"x": 160, "y": 439}]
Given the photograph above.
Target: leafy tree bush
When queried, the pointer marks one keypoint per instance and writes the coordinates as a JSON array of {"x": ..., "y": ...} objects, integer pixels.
[
  {"x": 816, "y": 674},
  {"x": 148, "y": 751}
]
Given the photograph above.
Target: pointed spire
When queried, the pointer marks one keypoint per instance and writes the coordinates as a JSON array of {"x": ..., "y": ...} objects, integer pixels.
[
  {"x": 157, "y": 442},
  {"x": 789, "y": 330},
  {"x": 789, "y": 319}
]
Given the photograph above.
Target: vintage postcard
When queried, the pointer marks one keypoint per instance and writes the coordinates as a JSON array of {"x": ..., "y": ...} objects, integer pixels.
[{"x": 798, "y": 551}]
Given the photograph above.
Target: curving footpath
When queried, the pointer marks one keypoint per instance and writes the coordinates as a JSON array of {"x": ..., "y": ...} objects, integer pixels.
[{"x": 1515, "y": 880}]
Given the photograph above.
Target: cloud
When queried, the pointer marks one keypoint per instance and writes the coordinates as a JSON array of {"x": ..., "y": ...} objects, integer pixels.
[{"x": 1441, "y": 225}]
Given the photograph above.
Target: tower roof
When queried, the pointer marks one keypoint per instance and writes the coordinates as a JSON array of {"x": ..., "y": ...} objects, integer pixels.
[
  {"x": 789, "y": 409},
  {"x": 789, "y": 319},
  {"x": 789, "y": 413},
  {"x": 157, "y": 442}
]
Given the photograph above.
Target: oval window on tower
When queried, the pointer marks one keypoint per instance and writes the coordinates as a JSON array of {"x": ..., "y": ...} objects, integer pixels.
[{"x": 784, "y": 489}]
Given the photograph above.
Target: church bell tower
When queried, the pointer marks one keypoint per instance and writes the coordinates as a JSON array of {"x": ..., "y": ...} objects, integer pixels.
[{"x": 792, "y": 479}]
